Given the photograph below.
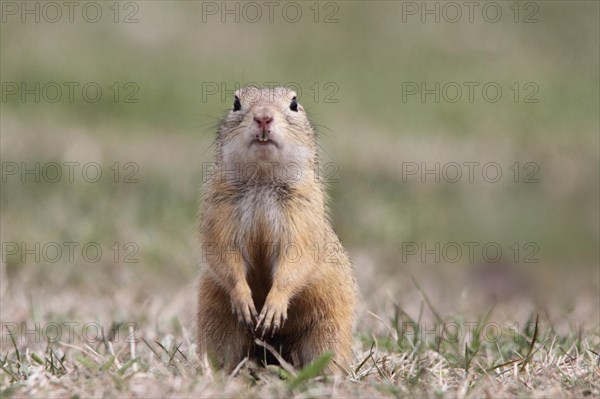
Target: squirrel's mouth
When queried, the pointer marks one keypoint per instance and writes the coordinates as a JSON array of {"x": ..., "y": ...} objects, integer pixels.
[{"x": 263, "y": 142}]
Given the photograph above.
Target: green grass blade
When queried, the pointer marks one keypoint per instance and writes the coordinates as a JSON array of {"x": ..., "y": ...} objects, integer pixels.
[{"x": 312, "y": 370}]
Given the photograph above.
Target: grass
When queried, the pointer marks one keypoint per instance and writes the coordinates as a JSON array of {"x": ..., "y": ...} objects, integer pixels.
[{"x": 532, "y": 362}]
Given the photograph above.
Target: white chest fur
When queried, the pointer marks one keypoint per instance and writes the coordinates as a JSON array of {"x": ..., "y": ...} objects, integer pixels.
[{"x": 262, "y": 224}]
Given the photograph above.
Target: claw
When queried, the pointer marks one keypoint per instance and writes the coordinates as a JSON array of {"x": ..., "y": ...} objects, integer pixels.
[{"x": 245, "y": 314}]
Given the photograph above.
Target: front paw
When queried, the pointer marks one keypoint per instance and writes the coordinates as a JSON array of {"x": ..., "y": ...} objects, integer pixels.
[
  {"x": 243, "y": 308},
  {"x": 272, "y": 316}
]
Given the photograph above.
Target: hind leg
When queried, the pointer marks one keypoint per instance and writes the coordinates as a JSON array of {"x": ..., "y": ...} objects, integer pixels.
[
  {"x": 326, "y": 336},
  {"x": 220, "y": 335}
]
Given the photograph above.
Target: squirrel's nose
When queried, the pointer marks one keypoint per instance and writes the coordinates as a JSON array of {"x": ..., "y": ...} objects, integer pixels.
[{"x": 263, "y": 121}]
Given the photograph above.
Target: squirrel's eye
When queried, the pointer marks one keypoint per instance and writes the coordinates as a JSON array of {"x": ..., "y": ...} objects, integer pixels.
[
  {"x": 237, "y": 105},
  {"x": 294, "y": 105}
]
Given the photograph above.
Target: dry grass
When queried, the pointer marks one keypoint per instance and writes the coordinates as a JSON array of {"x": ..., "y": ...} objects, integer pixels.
[
  {"x": 400, "y": 347},
  {"x": 160, "y": 360}
]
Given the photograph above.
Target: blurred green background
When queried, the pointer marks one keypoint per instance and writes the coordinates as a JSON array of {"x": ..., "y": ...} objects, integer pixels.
[{"x": 363, "y": 60}]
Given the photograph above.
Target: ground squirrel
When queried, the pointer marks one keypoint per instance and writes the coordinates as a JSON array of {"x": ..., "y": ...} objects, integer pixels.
[{"x": 273, "y": 268}]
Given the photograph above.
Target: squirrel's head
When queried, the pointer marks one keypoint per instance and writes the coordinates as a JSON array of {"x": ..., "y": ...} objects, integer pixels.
[{"x": 266, "y": 128}]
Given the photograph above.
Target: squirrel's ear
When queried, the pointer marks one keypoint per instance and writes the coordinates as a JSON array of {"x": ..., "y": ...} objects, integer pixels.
[
  {"x": 294, "y": 104},
  {"x": 237, "y": 105}
]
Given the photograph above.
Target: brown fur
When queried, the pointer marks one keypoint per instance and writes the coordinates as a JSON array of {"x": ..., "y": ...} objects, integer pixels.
[{"x": 275, "y": 267}]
